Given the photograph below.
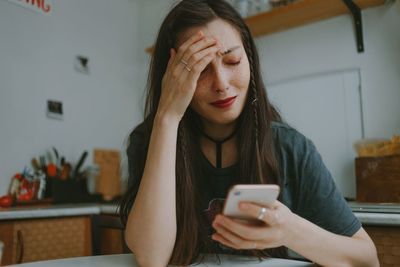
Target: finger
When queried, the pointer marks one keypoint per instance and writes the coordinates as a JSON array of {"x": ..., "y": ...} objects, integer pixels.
[
  {"x": 270, "y": 217},
  {"x": 170, "y": 71},
  {"x": 219, "y": 238},
  {"x": 241, "y": 230},
  {"x": 184, "y": 74},
  {"x": 171, "y": 59},
  {"x": 179, "y": 52},
  {"x": 172, "y": 55},
  {"x": 200, "y": 66},
  {"x": 232, "y": 240},
  {"x": 193, "y": 39},
  {"x": 231, "y": 237},
  {"x": 197, "y": 57},
  {"x": 186, "y": 63},
  {"x": 263, "y": 237},
  {"x": 197, "y": 46}
]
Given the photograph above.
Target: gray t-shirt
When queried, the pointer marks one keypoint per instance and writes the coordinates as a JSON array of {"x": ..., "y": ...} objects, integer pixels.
[{"x": 307, "y": 186}]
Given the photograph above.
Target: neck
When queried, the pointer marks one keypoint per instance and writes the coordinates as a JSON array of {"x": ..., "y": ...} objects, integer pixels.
[
  {"x": 221, "y": 150},
  {"x": 218, "y": 131}
]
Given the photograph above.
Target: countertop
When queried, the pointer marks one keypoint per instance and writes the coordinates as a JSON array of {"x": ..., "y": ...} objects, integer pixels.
[
  {"x": 369, "y": 214},
  {"x": 377, "y": 213},
  {"x": 59, "y": 210},
  {"x": 125, "y": 260}
]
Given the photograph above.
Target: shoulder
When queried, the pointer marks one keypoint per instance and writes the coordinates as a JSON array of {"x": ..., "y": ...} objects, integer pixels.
[
  {"x": 288, "y": 139},
  {"x": 284, "y": 130},
  {"x": 297, "y": 155}
]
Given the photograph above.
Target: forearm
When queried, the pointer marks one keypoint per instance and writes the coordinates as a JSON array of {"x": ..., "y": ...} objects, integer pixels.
[
  {"x": 328, "y": 249},
  {"x": 151, "y": 225}
]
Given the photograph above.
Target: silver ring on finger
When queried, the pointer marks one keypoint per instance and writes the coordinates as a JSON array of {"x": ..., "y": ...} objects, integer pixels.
[
  {"x": 184, "y": 62},
  {"x": 187, "y": 68},
  {"x": 261, "y": 214}
]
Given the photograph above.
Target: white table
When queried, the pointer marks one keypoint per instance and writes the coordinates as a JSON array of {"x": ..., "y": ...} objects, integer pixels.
[{"x": 127, "y": 260}]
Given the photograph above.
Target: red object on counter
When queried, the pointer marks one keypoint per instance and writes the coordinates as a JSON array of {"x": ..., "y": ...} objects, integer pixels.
[
  {"x": 52, "y": 170},
  {"x": 6, "y": 201},
  {"x": 27, "y": 191}
]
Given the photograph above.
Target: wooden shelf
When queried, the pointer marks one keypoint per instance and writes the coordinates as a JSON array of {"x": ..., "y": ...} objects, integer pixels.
[{"x": 298, "y": 13}]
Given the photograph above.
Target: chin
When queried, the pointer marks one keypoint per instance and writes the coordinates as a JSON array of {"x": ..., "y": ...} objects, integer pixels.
[{"x": 227, "y": 118}]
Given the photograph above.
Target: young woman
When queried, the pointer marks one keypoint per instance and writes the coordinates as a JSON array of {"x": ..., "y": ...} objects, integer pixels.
[{"x": 209, "y": 125}]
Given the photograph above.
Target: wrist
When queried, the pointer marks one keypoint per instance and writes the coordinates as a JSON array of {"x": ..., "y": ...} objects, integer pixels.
[
  {"x": 163, "y": 120},
  {"x": 292, "y": 230}
]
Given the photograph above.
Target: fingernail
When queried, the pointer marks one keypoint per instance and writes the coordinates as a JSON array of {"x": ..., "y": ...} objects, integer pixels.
[{"x": 200, "y": 33}]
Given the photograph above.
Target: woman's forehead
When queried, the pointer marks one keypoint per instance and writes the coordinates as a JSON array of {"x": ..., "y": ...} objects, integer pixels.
[{"x": 218, "y": 28}]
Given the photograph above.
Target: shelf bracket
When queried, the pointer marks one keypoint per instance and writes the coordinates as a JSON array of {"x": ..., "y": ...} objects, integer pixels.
[{"x": 356, "y": 12}]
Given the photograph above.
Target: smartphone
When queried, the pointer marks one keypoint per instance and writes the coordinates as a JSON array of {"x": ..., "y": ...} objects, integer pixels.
[{"x": 261, "y": 194}]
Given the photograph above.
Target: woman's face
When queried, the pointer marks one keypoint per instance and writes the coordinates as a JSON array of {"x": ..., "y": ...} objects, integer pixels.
[{"x": 222, "y": 88}]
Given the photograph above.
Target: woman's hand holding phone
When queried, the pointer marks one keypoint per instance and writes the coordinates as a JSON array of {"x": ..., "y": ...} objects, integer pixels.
[
  {"x": 273, "y": 230},
  {"x": 183, "y": 71}
]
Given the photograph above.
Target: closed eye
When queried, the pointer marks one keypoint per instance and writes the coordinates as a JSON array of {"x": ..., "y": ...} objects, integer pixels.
[{"x": 233, "y": 63}]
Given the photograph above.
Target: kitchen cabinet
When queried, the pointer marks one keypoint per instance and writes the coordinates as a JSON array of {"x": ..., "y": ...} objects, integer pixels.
[
  {"x": 387, "y": 242},
  {"x": 61, "y": 231},
  {"x": 299, "y": 13},
  {"x": 108, "y": 235},
  {"x": 45, "y": 239}
]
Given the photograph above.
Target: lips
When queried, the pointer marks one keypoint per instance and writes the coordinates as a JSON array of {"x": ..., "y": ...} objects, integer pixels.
[{"x": 224, "y": 102}]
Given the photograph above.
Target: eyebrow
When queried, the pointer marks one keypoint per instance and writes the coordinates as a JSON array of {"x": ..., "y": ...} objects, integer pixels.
[{"x": 229, "y": 50}]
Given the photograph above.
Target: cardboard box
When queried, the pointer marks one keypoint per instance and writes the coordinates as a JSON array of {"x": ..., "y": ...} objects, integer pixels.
[{"x": 378, "y": 179}]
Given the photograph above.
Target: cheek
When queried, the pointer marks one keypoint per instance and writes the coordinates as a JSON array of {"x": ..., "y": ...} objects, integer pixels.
[
  {"x": 203, "y": 83},
  {"x": 241, "y": 78},
  {"x": 199, "y": 97},
  {"x": 245, "y": 74},
  {"x": 203, "y": 86}
]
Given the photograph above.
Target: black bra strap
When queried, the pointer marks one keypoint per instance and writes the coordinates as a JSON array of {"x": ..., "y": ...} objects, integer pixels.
[{"x": 218, "y": 144}]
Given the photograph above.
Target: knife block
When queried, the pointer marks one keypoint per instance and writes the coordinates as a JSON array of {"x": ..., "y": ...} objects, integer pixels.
[
  {"x": 378, "y": 179},
  {"x": 66, "y": 191}
]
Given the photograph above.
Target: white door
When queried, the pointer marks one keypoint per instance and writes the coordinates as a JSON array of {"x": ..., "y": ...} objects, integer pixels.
[{"x": 327, "y": 109}]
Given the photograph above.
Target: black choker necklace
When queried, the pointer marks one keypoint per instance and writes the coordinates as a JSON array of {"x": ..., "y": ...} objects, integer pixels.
[{"x": 218, "y": 144}]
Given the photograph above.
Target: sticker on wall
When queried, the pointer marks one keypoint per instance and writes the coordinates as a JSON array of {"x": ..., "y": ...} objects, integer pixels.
[
  {"x": 54, "y": 109},
  {"x": 40, "y": 6}
]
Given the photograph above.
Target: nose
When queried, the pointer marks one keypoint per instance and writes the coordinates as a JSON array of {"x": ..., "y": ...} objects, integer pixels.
[{"x": 221, "y": 78}]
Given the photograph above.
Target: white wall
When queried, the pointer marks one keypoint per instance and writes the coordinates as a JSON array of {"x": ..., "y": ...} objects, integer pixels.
[
  {"x": 325, "y": 47},
  {"x": 36, "y": 64},
  {"x": 151, "y": 15}
]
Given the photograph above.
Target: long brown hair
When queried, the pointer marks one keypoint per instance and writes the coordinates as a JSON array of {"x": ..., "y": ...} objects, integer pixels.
[{"x": 257, "y": 161}]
